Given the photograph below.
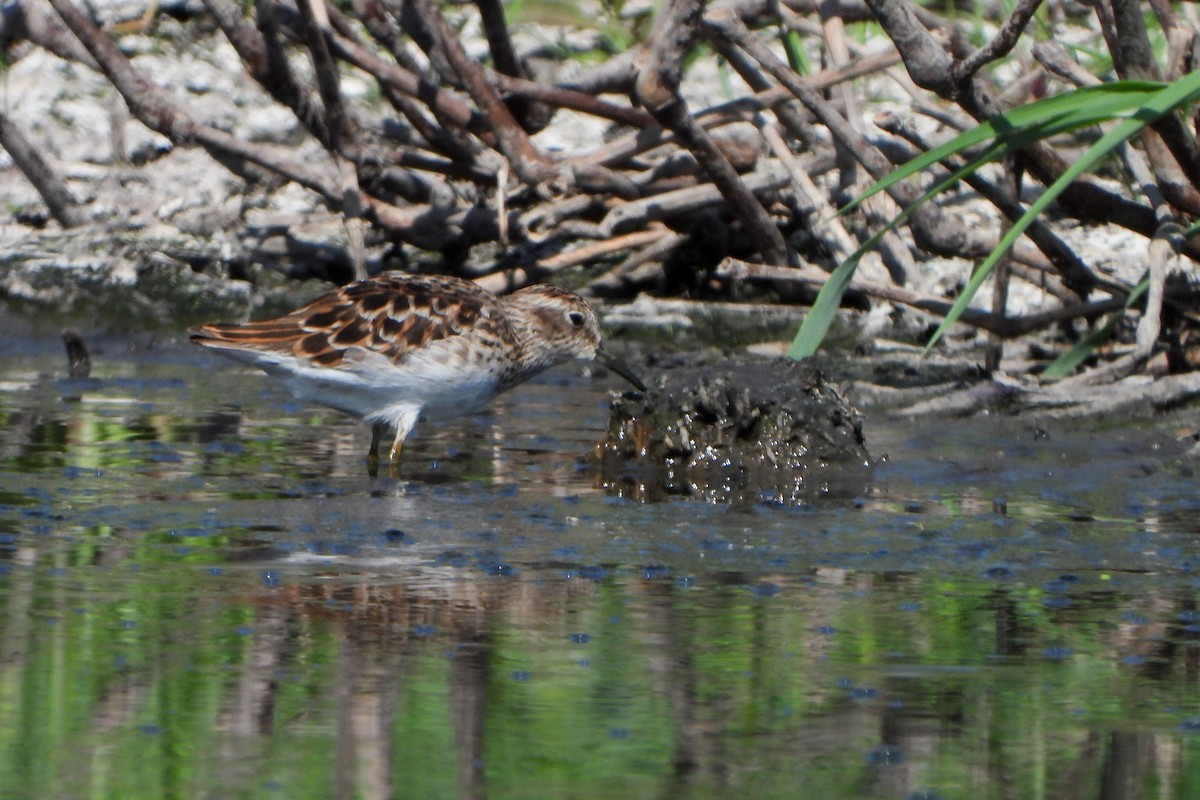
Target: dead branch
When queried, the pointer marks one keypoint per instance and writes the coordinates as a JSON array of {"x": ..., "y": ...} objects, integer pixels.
[
  {"x": 36, "y": 22},
  {"x": 42, "y": 173},
  {"x": 340, "y": 130},
  {"x": 934, "y": 232},
  {"x": 151, "y": 106},
  {"x": 1054, "y": 248},
  {"x": 1000, "y": 45},
  {"x": 513, "y": 143},
  {"x": 999, "y": 324},
  {"x": 657, "y": 90},
  {"x": 932, "y": 67},
  {"x": 448, "y": 162}
]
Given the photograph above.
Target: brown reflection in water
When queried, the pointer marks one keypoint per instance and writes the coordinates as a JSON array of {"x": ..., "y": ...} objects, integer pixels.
[
  {"x": 1126, "y": 761},
  {"x": 672, "y": 665},
  {"x": 375, "y": 629},
  {"x": 375, "y": 626},
  {"x": 1129, "y": 759},
  {"x": 253, "y": 703},
  {"x": 1011, "y": 636},
  {"x": 366, "y": 690},
  {"x": 468, "y": 706},
  {"x": 1151, "y": 632},
  {"x": 378, "y": 633}
]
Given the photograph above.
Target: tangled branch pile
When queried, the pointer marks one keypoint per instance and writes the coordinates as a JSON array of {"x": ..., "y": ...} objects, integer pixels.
[{"x": 445, "y": 158}]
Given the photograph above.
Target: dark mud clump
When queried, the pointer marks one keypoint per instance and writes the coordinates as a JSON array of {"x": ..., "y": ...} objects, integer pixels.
[{"x": 750, "y": 429}]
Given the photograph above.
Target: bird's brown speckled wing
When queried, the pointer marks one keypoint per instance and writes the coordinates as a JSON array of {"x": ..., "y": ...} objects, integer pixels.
[{"x": 392, "y": 314}]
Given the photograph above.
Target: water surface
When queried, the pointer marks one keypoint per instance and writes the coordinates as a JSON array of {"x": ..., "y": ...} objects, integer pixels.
[{"x": 203, "y": 593}]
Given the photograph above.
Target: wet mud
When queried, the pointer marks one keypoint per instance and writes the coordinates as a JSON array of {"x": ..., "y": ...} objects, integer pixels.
[{"x": 740, "y": 428}]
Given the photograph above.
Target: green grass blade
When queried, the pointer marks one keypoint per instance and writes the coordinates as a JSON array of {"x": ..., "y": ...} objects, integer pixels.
[
  {"x": 824, "y": 308},
  {"x": 1066, "y": 363},
  {"x": 793, "y": 46},
  {"x": 1170, "y": 97},
  {"x": 1145, "y": 101},
  {"x": 816, "y": 324},
  {"x": 1038, "y": 120}
]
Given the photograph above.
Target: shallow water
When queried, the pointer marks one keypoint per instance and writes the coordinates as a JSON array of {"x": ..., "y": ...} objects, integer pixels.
[{"x": 204, "y": 594}]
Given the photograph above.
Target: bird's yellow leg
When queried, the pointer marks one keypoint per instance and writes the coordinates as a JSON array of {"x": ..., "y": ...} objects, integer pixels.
[{"x": 404, "y": 425}]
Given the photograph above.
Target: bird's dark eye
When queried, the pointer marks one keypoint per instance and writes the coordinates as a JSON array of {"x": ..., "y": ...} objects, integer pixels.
[{"x": 576, "y": 319}]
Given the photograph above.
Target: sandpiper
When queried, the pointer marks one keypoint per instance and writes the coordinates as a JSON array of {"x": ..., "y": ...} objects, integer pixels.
[{"x": 397, "y": 347}]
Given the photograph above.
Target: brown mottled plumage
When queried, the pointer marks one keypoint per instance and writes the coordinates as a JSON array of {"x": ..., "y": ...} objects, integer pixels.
[{"x": 396, "y": 347}]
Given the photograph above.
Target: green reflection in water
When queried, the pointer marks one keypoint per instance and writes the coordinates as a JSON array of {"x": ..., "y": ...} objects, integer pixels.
[
  {"x": 152, "y": 678},
  {"x": 200, "y": 601}
]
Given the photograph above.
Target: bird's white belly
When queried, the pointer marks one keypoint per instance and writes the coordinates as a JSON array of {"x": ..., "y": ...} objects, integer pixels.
[{"x": 435, "y": 390}]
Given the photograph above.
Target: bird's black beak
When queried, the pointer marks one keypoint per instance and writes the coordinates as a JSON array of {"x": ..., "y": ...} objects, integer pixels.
[{"x": 620, "y": 367}]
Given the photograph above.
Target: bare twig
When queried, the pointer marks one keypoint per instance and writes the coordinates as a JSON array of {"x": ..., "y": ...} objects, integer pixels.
[
  {"x": 1001, "y": 44},
  {"x": 151, "y": 106},
  {"x": 42, "y": 173},
  {"x": 262, "y": 51},
  {"x": 448, "y": 107},
  {"x": 658, "y": 91},
  {"x": 36, "y": 22},
  {"x": 790, "y": 113},
  {"x": 337, "y": 120},
  {"x": 930, "y": 225},
  {"x": 1134, "y": 59},
  {"x": 735, "y": 269},
  {"x": 403, "y": 73},
  {"x": 876, "y": 210},
  {"x": 342, "y": 133},
  {"x": 533, "y": 116},
  {"x": 1163, "y": 251},
  {"x": 820, "y": 216},
  {"x": 623, "y": 274},
  {"x": 683, "y": 201},
  {"x": 930, "y": 65},
  {"x": 1055, "y": 249},
  {"x": 574, "y": 99},
  {"x": 623, "y": 148},
  {"x": 528, "y": 164}
]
